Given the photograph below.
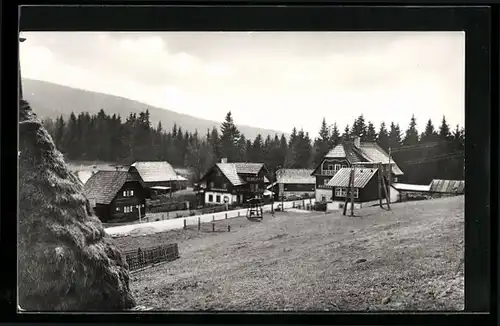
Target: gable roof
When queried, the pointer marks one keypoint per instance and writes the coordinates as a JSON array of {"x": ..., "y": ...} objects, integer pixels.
[
  {"x": 375, "y": 153},
  {"x": 156, "y": 171},
  {"x": 368, "y": 152},
  {"x": 233, "y": 171},
  {"x": 103, "y": 186},
  {"x": 299, "y": 176},
  {"x": 447, "y": 186},
  {"x": 361, "y": 177}
]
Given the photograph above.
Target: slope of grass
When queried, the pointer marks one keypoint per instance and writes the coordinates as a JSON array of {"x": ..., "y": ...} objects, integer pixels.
[{"x": 408, "y": 259}]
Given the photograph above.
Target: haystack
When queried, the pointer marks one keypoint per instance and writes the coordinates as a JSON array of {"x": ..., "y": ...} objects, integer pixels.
[{"x": 66, "y": 261}]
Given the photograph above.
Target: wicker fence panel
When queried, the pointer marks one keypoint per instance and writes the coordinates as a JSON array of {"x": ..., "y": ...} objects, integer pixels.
[{"x": 145, "y": 257}]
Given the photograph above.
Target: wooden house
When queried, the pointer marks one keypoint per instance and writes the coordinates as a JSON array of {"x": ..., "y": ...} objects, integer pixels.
[
  {"x": 116, "y": 195},
  {"x": 343, "y": 156},
  {"x": 232, "y": 183},
  {"x": 366, "y": 188},
  {"x": 293, "y": 182},
  {"x": 159, "y": 177}
]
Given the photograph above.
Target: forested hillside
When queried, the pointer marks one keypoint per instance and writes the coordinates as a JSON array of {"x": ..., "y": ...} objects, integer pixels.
[
  {"x": 435, "y": 153},
  {"x": 52, "y": 100}
]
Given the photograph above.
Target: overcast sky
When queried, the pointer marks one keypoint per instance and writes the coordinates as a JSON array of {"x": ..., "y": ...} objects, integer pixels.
[{"x": 272, "y": 80}]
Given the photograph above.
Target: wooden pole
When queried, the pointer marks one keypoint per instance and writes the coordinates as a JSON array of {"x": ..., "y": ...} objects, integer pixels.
[
  {"x": 352, "y": 189},
  {"x": 390, "y": 169},
  {"x": 346, "y": 195},
  {"x": 379, "y": 183},
  {"x": 185, "y": 225},
  {"x": 386, "y": 192},
  {"x": 199, "y": 223}
]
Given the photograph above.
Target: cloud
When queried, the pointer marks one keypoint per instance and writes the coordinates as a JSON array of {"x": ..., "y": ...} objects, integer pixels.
[{"x": 273, "y": 80}]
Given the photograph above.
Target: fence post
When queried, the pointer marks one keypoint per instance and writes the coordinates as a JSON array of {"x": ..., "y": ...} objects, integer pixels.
[
  {"x": 238, "y": 213},
  {"x": 199, "y": 223},
  {"x": 226, "y": 216},
  {"x": 213, "y": 226},
  {"x": 184, "y": 223},
  {"x": 139, "y": 256},
  {"x": 167, "y": 216},
  {"x": 162, "y": 216},
  {"x": 228, "y": 228}
]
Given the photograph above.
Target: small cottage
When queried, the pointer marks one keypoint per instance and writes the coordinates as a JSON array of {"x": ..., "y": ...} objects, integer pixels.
[
  {"x": 116, "y": 195},
  {"x": 293, "y": 183},
  {"x": 366, "y": 188},
  {"x": 232, "y": 183}
]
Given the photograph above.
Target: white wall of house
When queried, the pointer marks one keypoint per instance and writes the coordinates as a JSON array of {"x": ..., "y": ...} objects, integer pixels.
[
  {"x": 327, "y": 193},
  {"x": 231, "y": 198},
  {"x": 338, "y": 205}
]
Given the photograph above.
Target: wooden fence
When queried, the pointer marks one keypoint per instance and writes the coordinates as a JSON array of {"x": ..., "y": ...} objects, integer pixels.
[{"x": 145, "y": 257}]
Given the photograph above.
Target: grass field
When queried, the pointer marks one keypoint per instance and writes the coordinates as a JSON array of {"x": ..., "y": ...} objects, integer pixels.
[{"x": 410, "y": 258}]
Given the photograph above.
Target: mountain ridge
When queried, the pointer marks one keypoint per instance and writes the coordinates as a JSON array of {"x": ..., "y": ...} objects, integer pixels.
[{"x": 51, "y": 100}]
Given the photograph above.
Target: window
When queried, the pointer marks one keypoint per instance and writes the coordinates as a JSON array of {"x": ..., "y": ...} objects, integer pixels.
[
  {"x": 128, "y": 193},
  {"x": 226, "y": 199},
  {"x": 330, "y": 166},
  {"x": 337, "y": 167},
  {"x": 217, "y": 198},
  {"x": 344, "y": 165},
  {"x": 210, "y": 198},
  {"x": 224, "y": 185},
  {"x": 117, "y": 208},
  {"x": 325, "y": 182},
  {"x": 212, "y": 185},
  {"x": 342, "y": 192},
  {"x": 131, "y": 192}
]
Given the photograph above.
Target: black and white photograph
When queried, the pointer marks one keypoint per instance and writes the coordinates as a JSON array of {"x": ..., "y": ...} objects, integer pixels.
[{"x": 241, "y": 171}]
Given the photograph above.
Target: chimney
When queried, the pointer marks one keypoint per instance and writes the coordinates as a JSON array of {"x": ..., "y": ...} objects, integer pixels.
[
  {"x": 357, "y": 142},
  {"x": 223, "y": 160}
]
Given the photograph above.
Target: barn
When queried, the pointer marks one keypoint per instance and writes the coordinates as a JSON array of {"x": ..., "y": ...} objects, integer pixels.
[
  {"x": 116, "y": 195},
  {"x": 293, "y": 183}
]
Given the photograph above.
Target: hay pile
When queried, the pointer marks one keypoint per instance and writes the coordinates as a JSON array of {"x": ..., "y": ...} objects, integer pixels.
[{"x": 66, "y": 262}]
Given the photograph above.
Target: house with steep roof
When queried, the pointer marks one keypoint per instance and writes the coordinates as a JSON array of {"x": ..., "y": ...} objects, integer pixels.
[
  {"x": 233, "y": 183},
  {"x": 344, "y": 155},
  {"x": 116, "y": 195},
  {"x": 159, "y": 177},
  {"x": 293, "y": 182}
]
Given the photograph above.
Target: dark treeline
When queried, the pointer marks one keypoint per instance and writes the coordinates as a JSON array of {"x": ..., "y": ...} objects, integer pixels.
[{"x": 436, "y": 153}]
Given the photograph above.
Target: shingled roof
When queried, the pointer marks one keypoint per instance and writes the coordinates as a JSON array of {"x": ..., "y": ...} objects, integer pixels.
[
  {"x": 447, "y": 186},
  {"x": 232, "y": 171},
  {"x": 156, "y": 171},
  {"x": 367, "y": 152},
  {"x": 103, "y": 186},
  {"x": 298, "y": 176},
  {"x": 361, "y": 177}
]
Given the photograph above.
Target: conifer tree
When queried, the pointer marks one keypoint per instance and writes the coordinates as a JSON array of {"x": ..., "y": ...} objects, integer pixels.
[
  {"x": 444, "y": 130},
  {"x": 411, "y": 136},
  {"x": 229, "y": 138},
  {"x": 383, "y": 137}
]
